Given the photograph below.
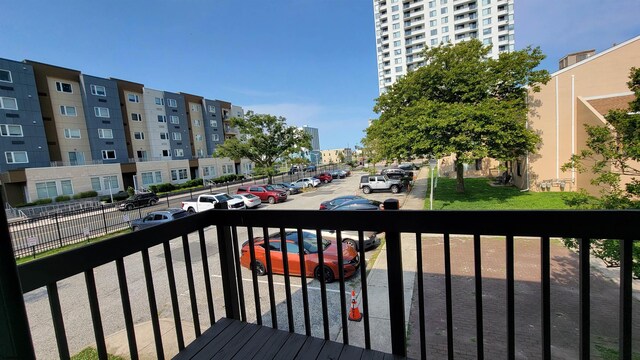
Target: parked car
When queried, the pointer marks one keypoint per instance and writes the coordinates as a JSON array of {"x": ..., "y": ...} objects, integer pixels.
[
  {"x": 408, "y": 166},
  {"x": 250, "y": 201},
  {"x": 369, "y": 183},
  {"x": 294, "y": 169},
  {"x": 157, "y": 217},
  {"x": 307, "y": 182},
  {"x": 330, "y": 204},
  {"x": 208, "y": 201},
  {"x": 360, "y": 204},
  {"x": 351, "y": 238},
  {"x": 311, "y": 168},
  {"x": 139, "y": 200},
  {"x": 291, "y": 189},
  {"x": 351, "y": 259},
  {"x": 264, "y": 192},
  {"x": 324, "y": 177},
  {"x": 396, "y": 173},
  {"x": 338, "y": 174}
]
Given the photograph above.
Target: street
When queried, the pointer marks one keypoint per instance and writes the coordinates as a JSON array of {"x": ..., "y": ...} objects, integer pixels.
[{"x": 75, "y": 306}]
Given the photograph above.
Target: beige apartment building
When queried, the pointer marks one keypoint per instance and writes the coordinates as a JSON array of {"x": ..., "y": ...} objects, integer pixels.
[
  {"x": 336, "y": 155},
  {"x": 577, "y": 95}
]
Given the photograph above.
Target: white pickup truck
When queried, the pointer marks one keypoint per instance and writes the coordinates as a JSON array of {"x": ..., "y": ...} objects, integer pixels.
[{"x": 208, "y": 201}]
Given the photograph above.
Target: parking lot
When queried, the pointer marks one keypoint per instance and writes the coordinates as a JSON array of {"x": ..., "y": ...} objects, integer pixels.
[{"x": 75, "y": 305}]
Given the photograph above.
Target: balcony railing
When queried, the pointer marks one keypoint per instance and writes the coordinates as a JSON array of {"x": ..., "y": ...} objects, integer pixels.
[{"x": 193, "y": 241}]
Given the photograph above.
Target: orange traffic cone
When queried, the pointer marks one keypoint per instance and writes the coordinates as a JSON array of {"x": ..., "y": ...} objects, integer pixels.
[{"x": 354, "y": 313}]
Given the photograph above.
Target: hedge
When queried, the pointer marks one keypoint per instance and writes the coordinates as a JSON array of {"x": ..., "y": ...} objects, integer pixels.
[{"x": 62, "y": 198}]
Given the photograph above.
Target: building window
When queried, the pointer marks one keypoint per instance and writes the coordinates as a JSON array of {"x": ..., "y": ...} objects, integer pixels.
[
  {"x": 5, "y": 75},
  {"x": 68, "y": 110},
  {"x": 208, "y": 171},
  {"x": 197, "y": 123},
  {"x": 108, "y": 154},
  {"x": 72, "y": 133},
  {"x": 396, "y": 34},
  {"x": 16, "y": 157},
  {"x": 8, "y": 103},
  {"x": 198, "y": 137},
  {"x": 444, "y": 20},
  {"x": 394, "y": 8},
  {"x": 395, "y": 16},
  {"x": 444, "y": 10},
  {"x": 142, "y": 155},
  {"x": 152, "y": 177},
  {"x": 64, "y": 87},
  {"x": 215, "y": 137},
  {"x": 76, "y": 158},
  {"x": 486, "y": 11},
  {"x": 159, "y": 101},
  {"x": 487, "y": 41},
  {"x": 165, "y": 152},
  {"x": 11, "y": 130},
  {"x": 396, "y": 26},
  {"x": 200, "y": 152},
  {"x": 110, "y": 182},
  {"x": 178, "y": 152},
  {"x": 138, "y": 135},
  {"x": 213, "y": 123},
  {"x": 195, "y": 108},
  {"x": 133, "y": 98},
  {"x": 434, "y": 32},
  {"x": 164, "y": 136},
  {"x": 486, "y": 21},
  {"x": 46, "y": 190},
  {"x": 486, "y": 2},
  {"x": 95, "y": 184},
  {"x": 228, "y": 169},
  {"x": 101, "y": 112},
  {"x": 172, "y": 103},
  {"x": 98, "y": 90},
  {"x": 105, "y": 133},
  {"x": 179, "y": 174},
  {"x": 175, "y": 119},
  {"x": 136, "y": 117},
  {"x": 67, "y": 187},
  {"x": 176, "y": 136},
  {"x": 162, "y": 119},
  {"x": 433, "y": 13},
  {"x": 212, "y": 109}
]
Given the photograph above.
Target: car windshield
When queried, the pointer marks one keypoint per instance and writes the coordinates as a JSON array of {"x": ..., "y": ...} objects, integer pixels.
[
  {"x": 270, "y": 187},
  {"x": 311, "y": 245},
  {"x": 223, "y": 197}
]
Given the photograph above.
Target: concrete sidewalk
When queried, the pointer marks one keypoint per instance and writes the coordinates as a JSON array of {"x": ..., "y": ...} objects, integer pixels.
[{"x": 377, "y": 284}]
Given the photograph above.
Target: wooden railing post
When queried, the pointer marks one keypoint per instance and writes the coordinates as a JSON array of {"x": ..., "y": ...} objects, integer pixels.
[
  {"x": 227, "y": 268},
  {"x": 396, "y": 285},
  {"x": 15, "y": 337}
]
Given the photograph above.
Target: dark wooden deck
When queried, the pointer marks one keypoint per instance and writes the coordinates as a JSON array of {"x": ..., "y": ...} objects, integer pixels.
[{"x": 233, "y": 339}]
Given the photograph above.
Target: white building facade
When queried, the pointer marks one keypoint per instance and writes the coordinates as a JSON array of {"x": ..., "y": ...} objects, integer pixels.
[{"x": 405, "y": 27}]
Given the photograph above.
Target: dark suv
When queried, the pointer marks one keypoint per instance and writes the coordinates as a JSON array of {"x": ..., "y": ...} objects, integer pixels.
[
  {"x": 264, "y": 192},
  {"x": 139, "y": 200}
]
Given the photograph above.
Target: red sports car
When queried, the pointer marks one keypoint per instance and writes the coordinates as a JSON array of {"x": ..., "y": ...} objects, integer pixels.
[{"x": 351, "y": 259}]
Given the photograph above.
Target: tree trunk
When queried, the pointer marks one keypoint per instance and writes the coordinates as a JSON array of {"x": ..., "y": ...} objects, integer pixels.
[{"x": 459, "y": 176}]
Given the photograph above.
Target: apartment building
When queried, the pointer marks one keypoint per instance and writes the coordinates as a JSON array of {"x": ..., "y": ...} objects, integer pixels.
[
  {"x": 576, "y": 95},
  {"x": 334, "y": 156},
  {"x": 405, "y": 27},
  {"x": 64, "y": 132}
]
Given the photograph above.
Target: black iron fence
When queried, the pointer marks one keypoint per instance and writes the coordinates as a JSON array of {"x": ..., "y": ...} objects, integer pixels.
[{"x": 239, "y": 300}]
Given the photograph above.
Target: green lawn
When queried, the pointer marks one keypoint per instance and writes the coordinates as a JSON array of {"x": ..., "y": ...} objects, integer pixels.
[
  {"x": 92, "y": 354},
  {"x": 480, "y": 195}
]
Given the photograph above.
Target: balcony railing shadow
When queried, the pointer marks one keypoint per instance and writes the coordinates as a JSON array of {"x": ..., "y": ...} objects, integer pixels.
[{"x": 189, "y": 271}]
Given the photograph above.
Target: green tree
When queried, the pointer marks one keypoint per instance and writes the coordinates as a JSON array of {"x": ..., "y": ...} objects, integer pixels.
[
  {"x": 460, "y": 103},
  {"x": 264, "y": 139},
  {"x": 613, "y": 151}
]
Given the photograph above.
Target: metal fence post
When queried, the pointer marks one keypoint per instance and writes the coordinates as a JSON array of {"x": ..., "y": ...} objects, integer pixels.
[
  {"x": 168, "y": 200},
  {"x": 396, "y": 285},
  {"x": 55, "y": 216},
  {"x": 227, "y": 268},
  {"x": 104, "y": 218},
  {"x": 15, "y": 337}
]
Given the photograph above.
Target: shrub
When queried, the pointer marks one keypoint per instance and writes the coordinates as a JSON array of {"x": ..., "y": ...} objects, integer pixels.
[
  {"x": 166, "y": 187},
  {"x": 85, "y": 194},
  {"x": 63, "y": 198},
  {"x": 42, "y": 201},
  {"x": 24, "y": 205}
]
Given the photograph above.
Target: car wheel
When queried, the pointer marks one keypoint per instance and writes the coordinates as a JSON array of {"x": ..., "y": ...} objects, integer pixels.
[
  {"x": 272, "y": 200},
  {"x": 152, "y": 202},
  {"x": 135, "y": 228},
  {"x": 351, "y": 243},
  {"x": 328, "y": 274},
  {"x": 191, "y": 210},
  {"x": 366, "y": 190},
  {"x": 395, "y": 189},
  {"x": 259, "y": 268},
  {"x": 326, "y": 181},
  {"x": 129, "y": 207}
]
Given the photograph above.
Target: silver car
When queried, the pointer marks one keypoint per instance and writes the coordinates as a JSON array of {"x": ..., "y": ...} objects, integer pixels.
[
  {"x": 350, "y": 238},
  {"x": 158, "y": 217}
]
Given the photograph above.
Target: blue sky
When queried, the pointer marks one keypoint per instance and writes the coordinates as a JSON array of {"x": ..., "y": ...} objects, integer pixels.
[{"x": 311, "y": 61}]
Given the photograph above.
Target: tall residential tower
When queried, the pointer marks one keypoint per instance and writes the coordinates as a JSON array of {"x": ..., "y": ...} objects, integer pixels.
[{"x": 405, "y": 27}]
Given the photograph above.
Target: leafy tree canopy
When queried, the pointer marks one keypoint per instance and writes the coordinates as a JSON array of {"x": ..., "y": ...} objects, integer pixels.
[
  {"x": 265, "y": 139},
  {"x": 460, "y": 103}
]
